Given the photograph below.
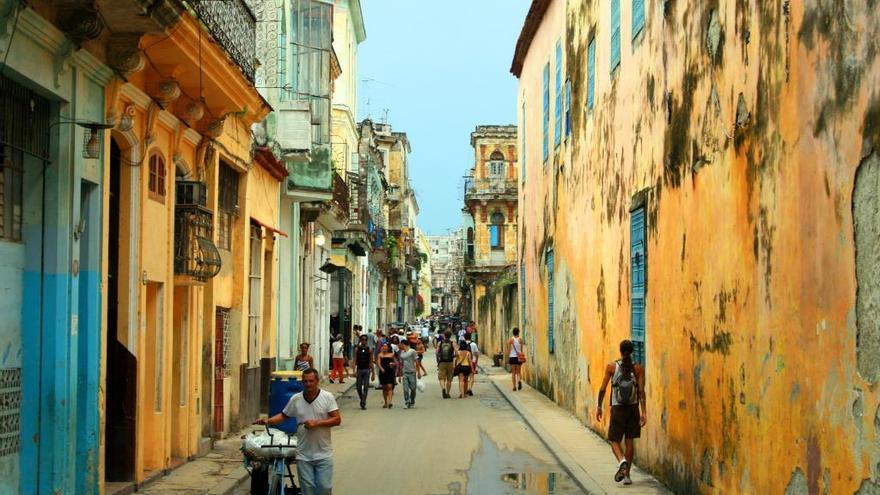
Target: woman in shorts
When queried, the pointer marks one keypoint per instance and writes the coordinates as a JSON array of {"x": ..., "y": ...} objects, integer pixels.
[
  {"x": 463, "y": 369},
  {"x": 515, "y": 358}
]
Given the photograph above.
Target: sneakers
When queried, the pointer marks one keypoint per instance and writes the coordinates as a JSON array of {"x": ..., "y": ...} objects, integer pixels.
[
  {"x": 519, "y": 385},
  {"x": 621, "y": 471},
  {"x": 627, "y": 480},
  {"x": 445, "y": 394},
  {"x": 470, "y": 392}
]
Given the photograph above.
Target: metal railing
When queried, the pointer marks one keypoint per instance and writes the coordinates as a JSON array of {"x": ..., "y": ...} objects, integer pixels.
[
  {"x": 489, "y": 186},
  {"x": 340, "y": 194},
  {"x": 233, "y": 25},
  {"x": 194, "y": 252}
]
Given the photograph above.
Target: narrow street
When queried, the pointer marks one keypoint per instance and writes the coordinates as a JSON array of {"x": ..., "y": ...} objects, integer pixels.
[{"x": 477, "y": 445}]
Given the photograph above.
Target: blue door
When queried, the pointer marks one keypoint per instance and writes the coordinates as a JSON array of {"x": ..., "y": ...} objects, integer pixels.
[
  {"x": 638, "y": 265},
  {"x": 551, "y": 340}
]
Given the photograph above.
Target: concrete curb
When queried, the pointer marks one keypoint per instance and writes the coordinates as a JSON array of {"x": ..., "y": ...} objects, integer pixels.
[
  {"x": 229, "y": 486},
  {"x": 583, "y": 479}
]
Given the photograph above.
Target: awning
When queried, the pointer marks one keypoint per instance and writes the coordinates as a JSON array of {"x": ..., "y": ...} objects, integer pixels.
[{"x": 268, "y": 227}]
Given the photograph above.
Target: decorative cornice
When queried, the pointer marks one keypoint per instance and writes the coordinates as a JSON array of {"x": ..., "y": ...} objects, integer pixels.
[
  {"x": 139, "y": 98},
  {"x": 93, "y": 68}
]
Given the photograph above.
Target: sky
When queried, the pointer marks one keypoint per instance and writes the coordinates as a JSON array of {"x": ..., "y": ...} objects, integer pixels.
[{"x": 439, "y": 69}]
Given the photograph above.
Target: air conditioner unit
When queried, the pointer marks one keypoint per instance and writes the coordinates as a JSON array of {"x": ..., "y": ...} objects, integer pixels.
[{"x": 294, "y": 128}]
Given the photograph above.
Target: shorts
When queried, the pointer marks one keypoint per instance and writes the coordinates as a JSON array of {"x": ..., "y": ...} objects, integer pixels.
[
  {"x": 513, "y": 360},
  {"x": 624, "y": 423},
  {"x": 444, "y": 371},
  {"x": 463, "y": 369}
]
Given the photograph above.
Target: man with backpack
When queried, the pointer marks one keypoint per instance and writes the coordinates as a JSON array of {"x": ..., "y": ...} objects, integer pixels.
[
  {"x": 445, "y": 357},
  {"x": 627, "y": 408}
]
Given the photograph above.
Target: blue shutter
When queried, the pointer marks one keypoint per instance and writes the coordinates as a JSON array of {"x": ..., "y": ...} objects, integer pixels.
[
  {"x": 557, "y": 129},
  {"x": 567, "y": 108},
  {"x": 638, "y": 16},
  {"x": 638, "y": 265},
  {"x": 615, "y": 34},
  {"x": 546, "y": 111},
  {"x": 591, "y": 73},
  {"x": 551, "y": 341}
]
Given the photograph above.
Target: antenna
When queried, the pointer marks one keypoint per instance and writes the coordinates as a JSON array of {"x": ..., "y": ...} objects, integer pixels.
[{"x": 385, "y": 115}]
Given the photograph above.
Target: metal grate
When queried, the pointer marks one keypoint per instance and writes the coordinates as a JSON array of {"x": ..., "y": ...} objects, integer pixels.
[
  {"x": 10, "y": 411},
  {"x": 233, "y": 25},
  {"x": 224, "y": 318}
]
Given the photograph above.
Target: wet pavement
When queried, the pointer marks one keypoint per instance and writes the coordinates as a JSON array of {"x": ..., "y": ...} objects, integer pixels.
[{"x": 476, "y": 445}]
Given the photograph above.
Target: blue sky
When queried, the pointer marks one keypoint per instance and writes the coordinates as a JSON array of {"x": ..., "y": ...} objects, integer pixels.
[{"x": 439, "y": 68}]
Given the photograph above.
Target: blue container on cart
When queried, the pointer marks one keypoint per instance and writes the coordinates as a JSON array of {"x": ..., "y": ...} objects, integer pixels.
[{"x": 282, "y": 386}]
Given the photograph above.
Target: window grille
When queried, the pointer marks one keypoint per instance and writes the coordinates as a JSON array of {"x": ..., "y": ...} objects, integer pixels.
[
  {"x": 227, "y": 207},
  {"x": 11, "y": 203}
]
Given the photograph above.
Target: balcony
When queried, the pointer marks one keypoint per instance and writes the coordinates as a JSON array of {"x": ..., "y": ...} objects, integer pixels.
[
  {"x": 196, "y": 258},
  {"x": 340, "y": 200},
  {"x": 234, "y": 27},
  {"x": 489, "y": 189},
  {"x": 312, "y": 179}
]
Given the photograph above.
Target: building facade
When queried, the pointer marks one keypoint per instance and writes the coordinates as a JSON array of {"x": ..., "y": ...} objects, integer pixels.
[
  {"x": 718, "y": 212},
  {"x": 490, "y": 230},
  {"x": 447, "y": 257}
]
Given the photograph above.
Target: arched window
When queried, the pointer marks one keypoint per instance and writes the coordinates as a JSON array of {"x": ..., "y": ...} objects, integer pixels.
[
  {"x": 496, "y": 164},
  {"x": 157, "y": 178},
  {"x": 496, "y": 231}
]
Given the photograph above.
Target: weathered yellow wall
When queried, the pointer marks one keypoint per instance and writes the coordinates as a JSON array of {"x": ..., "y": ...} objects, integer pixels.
[
  {"x": 496, "y": 316},
  {"x": 746, "y": 152}
]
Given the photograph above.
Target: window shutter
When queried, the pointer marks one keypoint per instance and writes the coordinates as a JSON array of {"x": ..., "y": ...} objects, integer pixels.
[
  {"x": 615, "y": 34},
  {"x": 638, "y": 16},
  {"x": 551, "y": 340},
  {"x": 546, "y": 111},
  {"x": 638, "y": 266},
  {"x": 591, "y": 73},
  {"x": 557, "y": 129}
]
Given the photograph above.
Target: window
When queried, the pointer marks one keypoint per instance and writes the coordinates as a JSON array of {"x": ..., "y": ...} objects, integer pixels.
[
  {"x": 546, "y": 111},
  {"x": 638, "y": 17},
  {"x": 522, "y": 146},
  {"x": 591, "y": 74},
  {"x": 11, "y": 204},
  {"x": 551, "y": 340},
  {"x": 157, "y": 178},
  {"x": 496, "y": 231},
  {"x": 254, "y": 277},
  {"x": 496, "y": 164},
  {"x": 557, "y": 129},
  {"x": 639, "y": 263},
  {"x": 227, "y": 205},
  {"x": 615, "y": 34},
  {"x": 567, "y": 108}
]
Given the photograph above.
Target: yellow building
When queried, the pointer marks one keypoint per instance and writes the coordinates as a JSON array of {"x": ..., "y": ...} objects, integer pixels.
[
  {"x": 189, "y": 274},
  {"x": 423, "y": 299},
  {"x": 707, "y": 188},
  {"x": 491, "y": 232}
]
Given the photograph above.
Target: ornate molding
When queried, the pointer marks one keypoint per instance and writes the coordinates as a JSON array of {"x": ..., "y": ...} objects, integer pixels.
[
  {"x": 167, "y": 92},
  {"x": 123, "y": 54},
  {"x": 150, "y": 127},
  {"x": 79, "y": 20}
]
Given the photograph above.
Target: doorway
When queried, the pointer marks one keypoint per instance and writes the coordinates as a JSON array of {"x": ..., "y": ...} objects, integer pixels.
[
  {"x": 121, "y": 375},
  {"x": 153, "y": 404},
  {"x": 180, "y": 376}
]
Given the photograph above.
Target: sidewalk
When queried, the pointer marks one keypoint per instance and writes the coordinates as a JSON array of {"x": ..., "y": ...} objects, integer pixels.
[
  {"x": 586, "y": 456},
  {"x": 220, "y": 471}
]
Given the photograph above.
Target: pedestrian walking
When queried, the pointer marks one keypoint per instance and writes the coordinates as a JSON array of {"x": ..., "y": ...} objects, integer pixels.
[
  {"x": 380, "y": 342},
  {"x": 463, "y": 368},
  {"x": 303, "y": 360},
  {"x": 409, "y": 362},
  {"x": 363, "y": 372},
  {"x": 515, "y": 358},
  {"x": 445, "y": 358},
  {"x": 337, "y": 351},
  {"x": 387, "y": 374},
  {"x": 420, "y": 350},
  {"x": 317, "y": 411},
  {"x": 475, "y": 359},
  {"x": 627, "y": 408}
]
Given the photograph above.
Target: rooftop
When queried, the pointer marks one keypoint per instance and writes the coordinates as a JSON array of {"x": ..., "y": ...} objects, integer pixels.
[{"x": 530, "y": 27}]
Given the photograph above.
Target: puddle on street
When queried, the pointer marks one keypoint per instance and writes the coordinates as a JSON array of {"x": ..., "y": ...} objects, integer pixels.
[{"x": 512, "y": 472}]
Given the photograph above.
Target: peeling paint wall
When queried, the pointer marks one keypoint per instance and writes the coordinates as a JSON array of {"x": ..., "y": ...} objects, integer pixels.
[{"x": 750, "y": 132}]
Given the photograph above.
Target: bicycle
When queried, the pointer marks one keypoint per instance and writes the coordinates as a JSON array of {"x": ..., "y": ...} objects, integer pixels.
[{"x": 277, "y": 465}]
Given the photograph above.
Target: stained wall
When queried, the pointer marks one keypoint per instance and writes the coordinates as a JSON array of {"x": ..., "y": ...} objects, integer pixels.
[{"x": 749, "y": 131}]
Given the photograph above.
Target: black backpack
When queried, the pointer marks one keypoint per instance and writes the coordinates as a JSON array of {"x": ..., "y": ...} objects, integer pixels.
[
  {"x": 625, "y": 387},
  {"x": 447, "y": 352}
]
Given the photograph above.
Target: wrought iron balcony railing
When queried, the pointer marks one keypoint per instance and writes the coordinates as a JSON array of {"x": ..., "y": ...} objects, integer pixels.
[
  {"x": 489, "y": 187},
  {"x": 233, "y": 25},
  {"x": 340, "y": 194},
  {"x": 358, "y": 212},
  {"x": 195, "y": 254}
]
